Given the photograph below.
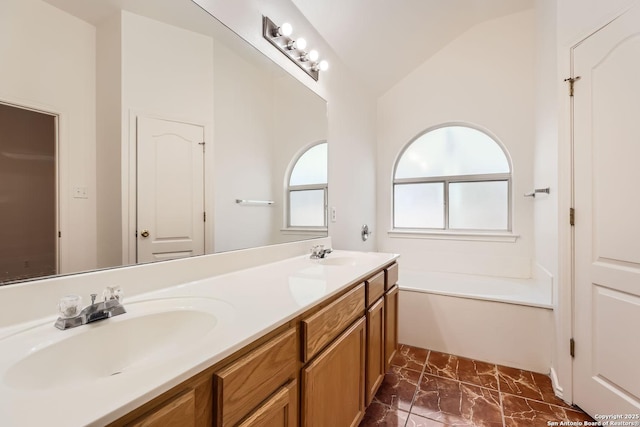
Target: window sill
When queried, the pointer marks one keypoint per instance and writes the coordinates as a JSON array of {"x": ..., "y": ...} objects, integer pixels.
[
  {"x": 475, "y": 236},
  {"x": 306, "y": 231}
]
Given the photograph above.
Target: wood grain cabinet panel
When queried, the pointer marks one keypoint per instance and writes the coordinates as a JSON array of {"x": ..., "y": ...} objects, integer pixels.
[
  {"x": 375, "y": 288},
  {"x": 178, "y": 412},
  {"x": 333, "y": 383},
  {"x": 321, "y": 328},
  {"x": 250, "y": 380},
  {"x": 390, "y": 325},
  {"x": 391, "y": 276},
  {"x": 375, "y": 349},
  {"x": 279, "y": 411}
]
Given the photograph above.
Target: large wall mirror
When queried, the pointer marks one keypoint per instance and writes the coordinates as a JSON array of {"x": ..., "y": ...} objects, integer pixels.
[{"x": 141, "y": 130}]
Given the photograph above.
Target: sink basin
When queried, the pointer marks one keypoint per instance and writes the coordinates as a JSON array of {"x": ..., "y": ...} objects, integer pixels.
[
  {"x": 341, "y": 260},
  {"x": 150, "y": 333}
]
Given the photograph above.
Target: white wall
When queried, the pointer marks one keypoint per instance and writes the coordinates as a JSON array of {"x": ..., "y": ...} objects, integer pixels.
[
  {"x": 484, "y": 77},
  {"x": 243, "y": 139},
  {"x": 109, "y": 141},
  {"x": 53, "y": 69},
  {"x": 350, "y": 108}
]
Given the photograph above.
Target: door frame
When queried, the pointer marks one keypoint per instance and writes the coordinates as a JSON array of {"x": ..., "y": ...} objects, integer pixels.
[
  {"x": 562, "y": 374},
  {"x": 130, "y": 182},
  {"x": 61, "y": 197}
]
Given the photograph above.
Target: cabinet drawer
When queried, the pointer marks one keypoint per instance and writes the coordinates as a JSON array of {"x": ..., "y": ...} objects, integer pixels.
[
  {"x": 251, "y": 379},
  {"x": 321, "y": 328},
  {"x": 179, "y": 412},
  {"x": 391, "y": 278},
  {"x": 375, "y": 288}
]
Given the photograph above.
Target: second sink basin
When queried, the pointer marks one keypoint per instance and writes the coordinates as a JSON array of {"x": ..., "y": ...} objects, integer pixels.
[
  {"x": 340, "y": 260},
  {"x": 150, "y": 333}
]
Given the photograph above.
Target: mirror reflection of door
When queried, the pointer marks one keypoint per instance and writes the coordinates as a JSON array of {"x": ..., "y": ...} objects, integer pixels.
[
  {"x": 170, "y": 190},
  {"x": 27, "y": 194}
]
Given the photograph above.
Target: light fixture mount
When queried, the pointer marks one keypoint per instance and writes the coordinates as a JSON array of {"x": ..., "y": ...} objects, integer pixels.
[{"x": 288, "y": 46}]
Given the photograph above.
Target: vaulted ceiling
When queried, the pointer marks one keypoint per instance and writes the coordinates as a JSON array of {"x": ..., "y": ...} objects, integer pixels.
[{"x": 384, "y": 40}]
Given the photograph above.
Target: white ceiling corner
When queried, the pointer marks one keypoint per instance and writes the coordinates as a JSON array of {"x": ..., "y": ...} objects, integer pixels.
[{"x": 384, "y": 40}]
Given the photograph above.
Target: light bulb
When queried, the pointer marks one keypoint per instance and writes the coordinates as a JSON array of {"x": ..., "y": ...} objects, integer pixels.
[
  {"x": 323, "y": 65},
  {"x": 285, "y": 29},
  {"x": 313, "y": 55},
  {"x": 301, "y": 44}
]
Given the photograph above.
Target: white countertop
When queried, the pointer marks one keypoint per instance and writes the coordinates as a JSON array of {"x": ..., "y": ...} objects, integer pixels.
[{"x": 248, "y": 304}]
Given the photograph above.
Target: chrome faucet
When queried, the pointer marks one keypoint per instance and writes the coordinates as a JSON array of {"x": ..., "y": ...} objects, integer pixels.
[
  {"x": 318, "y": 251},
  {"x": 109, "y": 307}
]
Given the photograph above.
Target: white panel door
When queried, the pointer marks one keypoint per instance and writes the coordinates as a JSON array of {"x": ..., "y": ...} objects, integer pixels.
[
  {"x": 170, "y": 193},
  {"x": 607, "y": 224}
]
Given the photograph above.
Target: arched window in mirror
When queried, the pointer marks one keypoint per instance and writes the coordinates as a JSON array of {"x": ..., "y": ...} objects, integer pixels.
[
  {"x": 307, "y": 188},
  {"x": 452, "y": 177}
]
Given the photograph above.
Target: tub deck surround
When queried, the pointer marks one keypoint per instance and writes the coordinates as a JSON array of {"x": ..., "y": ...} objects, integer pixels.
[
  {"x": 506, "y": 320},
  {"x": 529, "y": 292},
  {"x": 258, "y": 300}
]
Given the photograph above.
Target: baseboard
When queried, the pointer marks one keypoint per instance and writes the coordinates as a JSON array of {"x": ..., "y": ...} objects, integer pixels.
[{"x": 557, "y": 390}]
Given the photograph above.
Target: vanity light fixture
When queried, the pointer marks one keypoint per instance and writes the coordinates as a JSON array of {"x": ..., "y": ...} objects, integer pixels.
[{"x": 294, "y": 49}]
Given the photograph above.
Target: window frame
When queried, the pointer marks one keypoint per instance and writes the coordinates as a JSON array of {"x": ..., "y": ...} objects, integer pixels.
[
  {"x": 446, "y": 180},
  {"x": 305, "y": 187}
]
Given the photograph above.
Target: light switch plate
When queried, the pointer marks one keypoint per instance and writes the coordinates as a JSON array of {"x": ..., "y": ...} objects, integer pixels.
[{"x": 333, "y": 214}]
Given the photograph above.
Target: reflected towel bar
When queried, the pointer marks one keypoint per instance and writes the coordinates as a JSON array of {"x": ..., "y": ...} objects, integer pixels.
[
  {"x": 537, "y": 190},
  {"x": 254, "y": 202}
]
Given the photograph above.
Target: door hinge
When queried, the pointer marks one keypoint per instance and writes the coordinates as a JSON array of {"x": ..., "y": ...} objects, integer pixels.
[
  {"x": 572, "y": 216},
  {"x": 59, "y": 234},
  {"x": 572, "y": 347},
  {"x": 571, "y": 81},
  {"x": 204, "y": 216}
]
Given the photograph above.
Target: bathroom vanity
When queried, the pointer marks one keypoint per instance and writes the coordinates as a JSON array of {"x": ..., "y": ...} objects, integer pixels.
[
  {"x": 320, "y": 368},
  {"x": 293, "y": 342}
]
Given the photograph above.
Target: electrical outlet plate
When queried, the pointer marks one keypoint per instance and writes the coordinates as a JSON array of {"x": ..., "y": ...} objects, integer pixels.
[{"x": 80, "y": 193}]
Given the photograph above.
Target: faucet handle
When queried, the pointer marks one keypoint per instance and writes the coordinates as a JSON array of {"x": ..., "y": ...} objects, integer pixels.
[
  {"x": 93, "y": 298},
  {"x": 70, "y": 306},
  {"x": 112, "y": 292}
]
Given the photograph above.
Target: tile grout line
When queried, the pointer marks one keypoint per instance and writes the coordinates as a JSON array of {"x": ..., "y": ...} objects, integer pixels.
[
  {"x": 504, "y": 422},
  {"x": 415, "y": 393}
]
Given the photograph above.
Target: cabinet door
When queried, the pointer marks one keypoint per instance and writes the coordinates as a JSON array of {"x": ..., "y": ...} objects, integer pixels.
[
  {"x": 375, "y": 348},
  {"x": 333, "y": 383},
  {"x": 390, "y": 325},
  {"x": 279, "y": 411},
  {"x": 178, "y": 412}
]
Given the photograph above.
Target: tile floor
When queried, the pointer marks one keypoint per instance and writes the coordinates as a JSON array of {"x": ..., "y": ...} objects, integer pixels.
[{"x": 431, "y": 389}]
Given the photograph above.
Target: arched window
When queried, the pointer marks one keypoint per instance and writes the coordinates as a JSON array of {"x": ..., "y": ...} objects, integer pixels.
[
  {"x": 452, "y": 177},
  {"x": 307, "y": 188}
]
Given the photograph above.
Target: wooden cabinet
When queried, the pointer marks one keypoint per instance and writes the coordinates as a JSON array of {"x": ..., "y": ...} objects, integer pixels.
[
  {"x": 390, "y": 325},
  {"x": 322, "y": 327},
  {"x": 333, "y": 383},
  {"x": 188, "y": 405},
  {"x": 375, "y": 348},
  {"x": 391, "y": 276},
  {"x": 179, "y": 412},
  {"x": 243, "y": 385},
  {"x": 375, "y": 288},
  {"x": 321, "y": 369},
  {"x": 279, "y": 411}
]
